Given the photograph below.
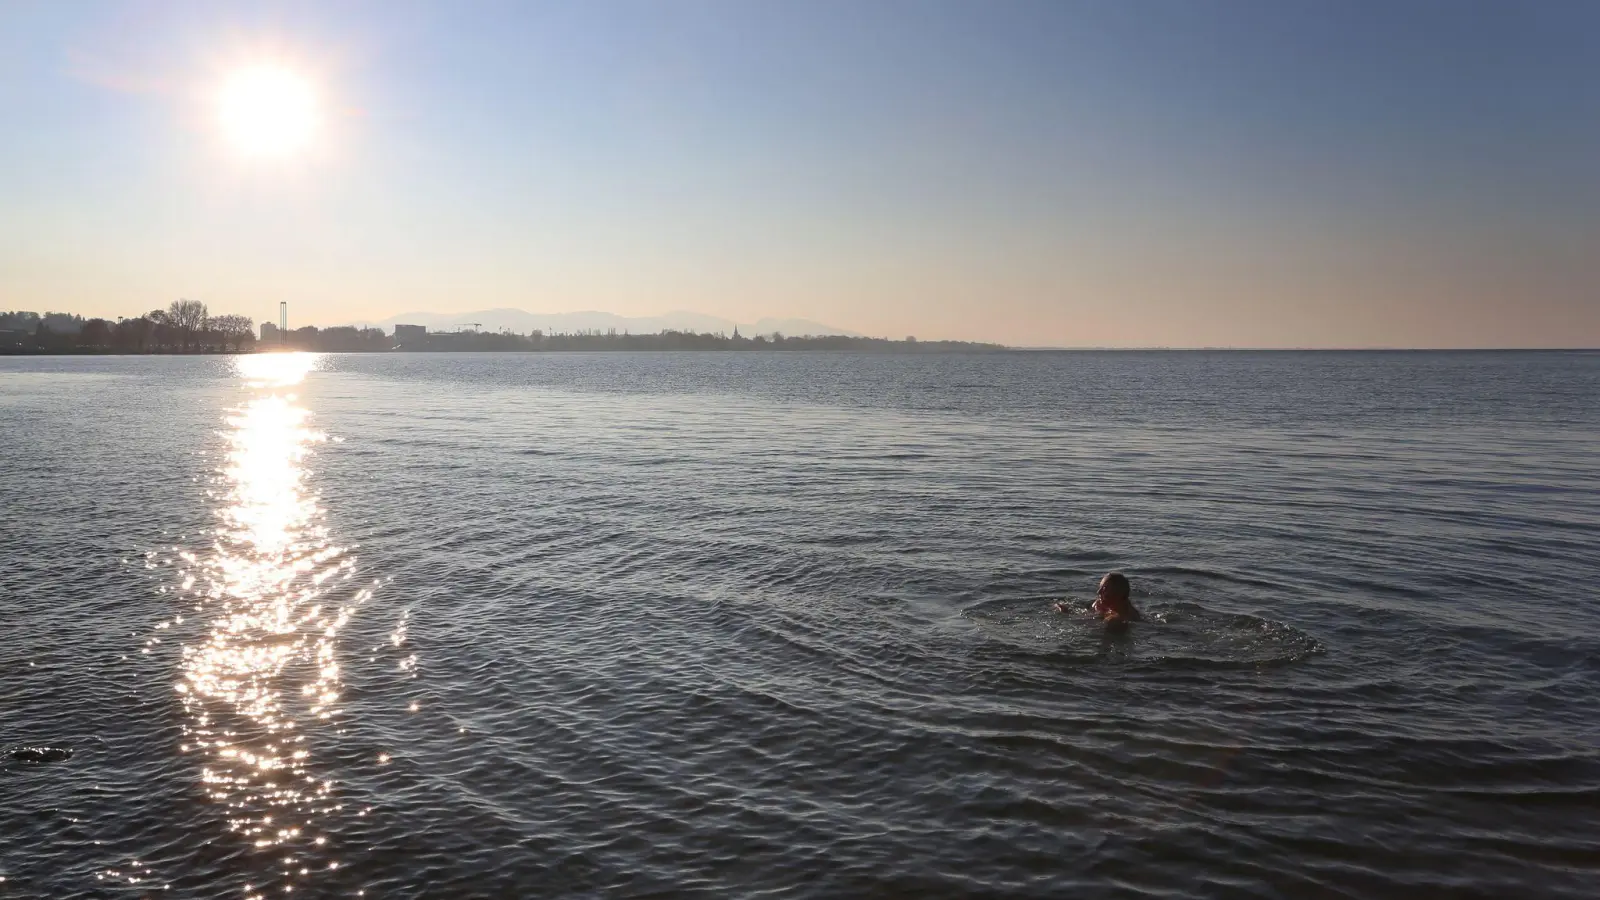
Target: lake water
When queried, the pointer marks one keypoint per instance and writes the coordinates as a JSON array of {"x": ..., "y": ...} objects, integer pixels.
[{"x": 729, "y": 625}]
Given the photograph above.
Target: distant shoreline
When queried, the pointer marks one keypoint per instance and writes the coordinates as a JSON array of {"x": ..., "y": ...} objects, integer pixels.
[
  {"x": 901, "y": 350},
  {"x": 372, "y": 340},
  {"x": 914, "y": 351}
]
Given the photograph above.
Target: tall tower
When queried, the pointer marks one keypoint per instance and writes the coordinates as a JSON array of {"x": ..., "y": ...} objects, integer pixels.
[{"x": 283, "y": 321}]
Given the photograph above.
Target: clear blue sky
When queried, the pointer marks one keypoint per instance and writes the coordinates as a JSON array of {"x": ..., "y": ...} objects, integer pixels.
[{"x": 1272, "y": 173}]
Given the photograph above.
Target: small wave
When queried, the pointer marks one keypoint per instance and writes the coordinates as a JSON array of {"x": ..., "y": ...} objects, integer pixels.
[
  {"x": 1183, "y": 573},
  {"x": 1181, "y": 634},
  {"x": 36, "y": 754}
]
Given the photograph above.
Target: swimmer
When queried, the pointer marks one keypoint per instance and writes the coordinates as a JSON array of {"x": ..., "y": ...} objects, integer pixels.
[{"x": 1111, "y": 602}]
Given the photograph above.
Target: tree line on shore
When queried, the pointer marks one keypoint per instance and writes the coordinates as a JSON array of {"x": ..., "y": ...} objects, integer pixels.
[
  {"x": 538, "y": 341},
  {"x": 346, "y": 339},
  {"x": 186, "y": 326}
]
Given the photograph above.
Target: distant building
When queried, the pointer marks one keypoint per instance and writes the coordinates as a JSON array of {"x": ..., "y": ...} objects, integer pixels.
[{"x": 410, "y": 334}]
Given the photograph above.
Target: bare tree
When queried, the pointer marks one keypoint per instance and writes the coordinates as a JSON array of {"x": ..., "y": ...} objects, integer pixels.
[
  {"x": 234, "y": 330},
  {"x": 189, "y": 317}
]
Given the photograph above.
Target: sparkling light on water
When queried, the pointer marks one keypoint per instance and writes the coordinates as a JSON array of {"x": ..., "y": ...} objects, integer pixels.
[{"x": 262, "y": 681}]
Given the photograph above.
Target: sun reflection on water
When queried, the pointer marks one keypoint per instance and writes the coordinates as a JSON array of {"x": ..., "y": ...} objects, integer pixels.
[{"x": 261, "y": 681}]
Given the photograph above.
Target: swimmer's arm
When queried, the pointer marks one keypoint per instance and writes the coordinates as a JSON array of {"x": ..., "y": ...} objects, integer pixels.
[{"x": 1116, "y": 622}]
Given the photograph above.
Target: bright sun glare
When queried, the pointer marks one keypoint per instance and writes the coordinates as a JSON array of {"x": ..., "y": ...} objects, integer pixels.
[{"x": 268, "y": 111}]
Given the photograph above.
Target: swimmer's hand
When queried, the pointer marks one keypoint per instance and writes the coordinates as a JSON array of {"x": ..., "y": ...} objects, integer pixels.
[{"x": 1063, "y": 607}]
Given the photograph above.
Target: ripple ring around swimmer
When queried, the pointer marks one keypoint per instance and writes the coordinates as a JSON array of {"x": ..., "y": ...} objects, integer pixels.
[{"x": 1173, "y": 634}]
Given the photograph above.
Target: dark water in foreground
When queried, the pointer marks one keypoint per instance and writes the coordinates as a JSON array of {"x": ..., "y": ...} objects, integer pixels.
[{"x": 735, "y": 625}]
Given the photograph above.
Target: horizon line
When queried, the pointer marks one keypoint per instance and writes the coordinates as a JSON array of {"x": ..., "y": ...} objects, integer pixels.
[{"x": 1376, "y": 348}]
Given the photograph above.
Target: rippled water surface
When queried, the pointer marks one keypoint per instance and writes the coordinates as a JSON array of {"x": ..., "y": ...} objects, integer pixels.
[{"x": 782, "y": 625}]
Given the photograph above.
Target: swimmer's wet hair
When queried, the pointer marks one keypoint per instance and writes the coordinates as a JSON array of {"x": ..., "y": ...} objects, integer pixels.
[{"x": 1118, "y": 583}]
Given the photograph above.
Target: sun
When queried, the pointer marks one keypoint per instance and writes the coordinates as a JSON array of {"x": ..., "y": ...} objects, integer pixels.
[{"x": 269, "y": 111}]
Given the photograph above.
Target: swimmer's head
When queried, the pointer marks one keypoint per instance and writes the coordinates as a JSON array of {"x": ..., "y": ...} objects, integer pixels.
[{"x": 1115, "y": 586}]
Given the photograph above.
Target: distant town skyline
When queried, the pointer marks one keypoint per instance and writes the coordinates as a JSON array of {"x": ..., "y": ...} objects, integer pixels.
[
  {"x": 523, "y": 321},
  {"x": 1180, "y": 173}
]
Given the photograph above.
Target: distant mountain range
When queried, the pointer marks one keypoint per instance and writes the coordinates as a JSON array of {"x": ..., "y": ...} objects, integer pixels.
[{"x": 523, "y": 322}]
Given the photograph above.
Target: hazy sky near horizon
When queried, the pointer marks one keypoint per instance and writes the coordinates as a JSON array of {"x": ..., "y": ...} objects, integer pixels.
[{"x": 1151, "y": 172}]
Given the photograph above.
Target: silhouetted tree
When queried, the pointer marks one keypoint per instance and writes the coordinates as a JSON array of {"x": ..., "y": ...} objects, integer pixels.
[
  {"x": 95, "y": 333},
  {"x": 233, "y": 329},
  {"x": 189, "y": 317},
  {"x": 44, "y": 338},
  {"x": 132, "y": 335},
  {"x": 62, "y": 323},
  {"x": 19, "y": 320},
  {"x": 161, "y": 329}
]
